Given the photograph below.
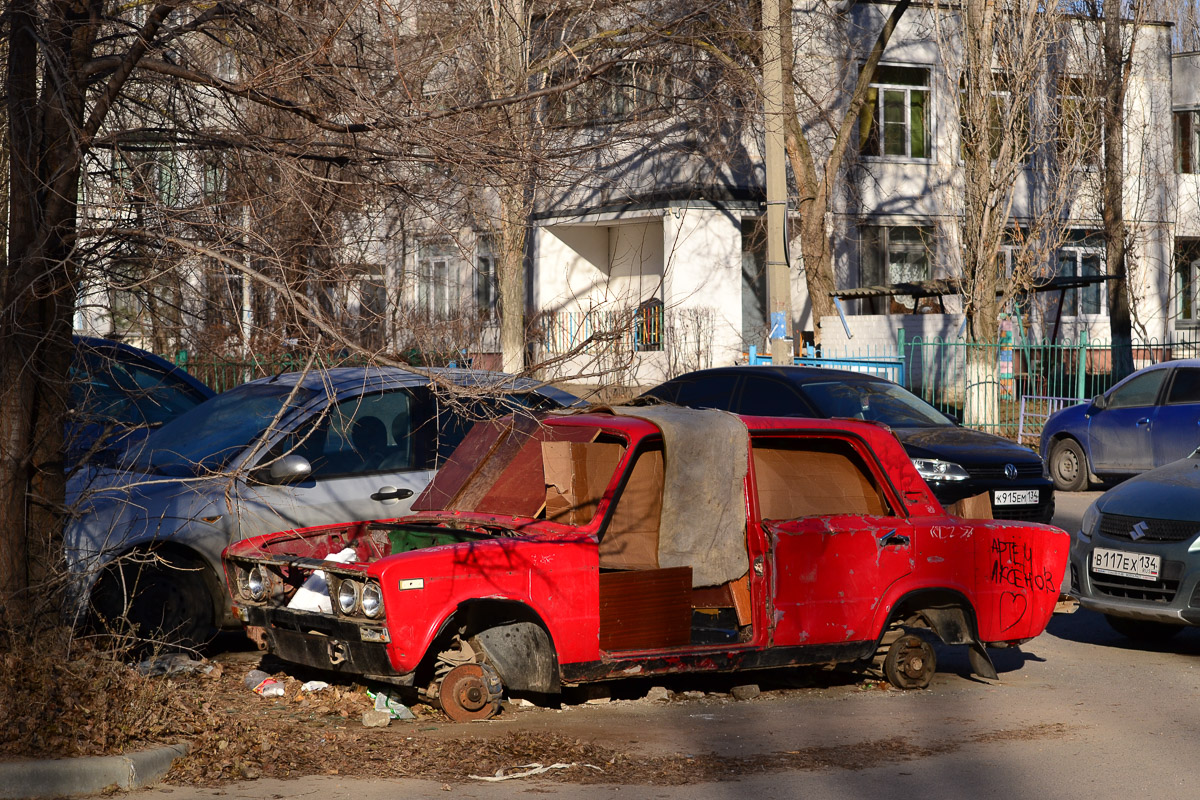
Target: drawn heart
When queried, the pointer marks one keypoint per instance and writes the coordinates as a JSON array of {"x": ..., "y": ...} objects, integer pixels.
[{"x": 1012, "y": 609}]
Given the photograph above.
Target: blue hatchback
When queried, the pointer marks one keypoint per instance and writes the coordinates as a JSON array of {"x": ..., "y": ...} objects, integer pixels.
[
  {"x": 119, "y": 393},
  {"x": 1147, "y": 420}
]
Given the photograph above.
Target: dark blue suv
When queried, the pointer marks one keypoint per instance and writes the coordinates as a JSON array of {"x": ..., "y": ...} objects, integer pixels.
[{"x": 956, "y": 462}]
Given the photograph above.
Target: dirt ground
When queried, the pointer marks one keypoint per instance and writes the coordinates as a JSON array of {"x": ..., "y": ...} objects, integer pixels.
[
  {"x": 245, "y": 736},
  {"x": 242, "y": 735},
  {"x": 630, "y": 732}
]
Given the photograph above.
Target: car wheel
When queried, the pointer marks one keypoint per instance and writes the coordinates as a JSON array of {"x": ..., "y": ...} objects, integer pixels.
[
  {"x": 157, "y": 602},
  {"x": 910, "y": 663},
  {"x": 1143, "y": 630},
  {"x": 470, "y": 692},
  {"x": 1068, "y": 466}
]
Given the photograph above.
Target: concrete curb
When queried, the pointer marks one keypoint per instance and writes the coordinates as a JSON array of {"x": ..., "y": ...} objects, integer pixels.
[{"x": 62, "y": 777}]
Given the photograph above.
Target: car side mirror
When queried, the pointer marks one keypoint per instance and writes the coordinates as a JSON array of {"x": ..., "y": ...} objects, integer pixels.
[
  {"x": 286, "y": 469},
  {"x": 1099, "y": 403}
]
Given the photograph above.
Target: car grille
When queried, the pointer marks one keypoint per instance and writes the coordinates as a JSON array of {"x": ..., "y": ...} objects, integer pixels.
[
  {"x": 1118, "y": 526},
  {"x": 1036, "y": 513},
  {"x": 996, "y": 472},
  {"x": 1161, "y": 591}
]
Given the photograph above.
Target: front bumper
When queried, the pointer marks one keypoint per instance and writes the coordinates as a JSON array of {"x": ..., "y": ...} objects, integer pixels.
[
  {"x": 1173, "y": 598},
  {"x": 949, "y": 493},
  {"x": 325, "y": 642}
]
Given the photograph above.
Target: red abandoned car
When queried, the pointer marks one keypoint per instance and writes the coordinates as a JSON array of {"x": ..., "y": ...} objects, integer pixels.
[{"x": 644, "y": 541}]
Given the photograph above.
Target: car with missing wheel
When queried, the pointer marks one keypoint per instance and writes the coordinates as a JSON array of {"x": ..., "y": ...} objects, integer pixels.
[
  {"x": 1136, "y": 556},
  {"x": 958, "y": 463},
  {"x": 303, "y": 448},
  {"x": 1145, "y": 421},
  {"x": 643, "y": 541}
]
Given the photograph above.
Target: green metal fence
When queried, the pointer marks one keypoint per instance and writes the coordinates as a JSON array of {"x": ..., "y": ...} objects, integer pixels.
[{"x": 1047, "y": 375}]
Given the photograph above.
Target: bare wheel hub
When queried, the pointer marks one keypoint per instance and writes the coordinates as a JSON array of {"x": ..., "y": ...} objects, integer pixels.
[
  {"x": 910, "y": 663},
  {"x": 470, "y": 691}
]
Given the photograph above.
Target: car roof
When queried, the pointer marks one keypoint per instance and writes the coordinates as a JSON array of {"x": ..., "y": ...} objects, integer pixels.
[
  {"x": 629, "y": 421},
  {"x": 791, "y": 374},
  {"x": 122, "y": 352},
  {"x": 344, "y": 379}
]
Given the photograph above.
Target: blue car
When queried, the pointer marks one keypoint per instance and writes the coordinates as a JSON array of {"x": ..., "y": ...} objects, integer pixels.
[
  {"x": 119, "y": 394},
  {"x": 1147, "y": 420}
]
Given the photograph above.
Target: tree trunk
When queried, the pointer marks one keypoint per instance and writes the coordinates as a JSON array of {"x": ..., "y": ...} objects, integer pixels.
[
  {"x": 510, "y": 277},
  {"x": 38, "y": 288},
  {"x": 511, "y": 71},
  {"x": 816, "y": 191},
  {"x": 982, "y": 223},
  {"x": 1119, "y": 318}
]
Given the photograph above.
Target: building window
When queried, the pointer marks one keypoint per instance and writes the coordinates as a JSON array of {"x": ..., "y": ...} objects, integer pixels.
[
  {"x": 372, "y": 300},
  {"x": 1083, "y": 257},
  {"x": 648, "y": 326},
  {"x": 898, "y": 254},
  {"x": 1006, "y": 120},
  {"x": 895, "y": 117},
  {"x": 1185, "y": 291},
  {"x": 1080, "y": 131},
  {"x": 1187, "y": 142},
  {"x": 1187, "y": 281},
  {"x": 437, "y": 287},
  {"x": 485, "y": 276},
  {"x": 629, "y": 90}
]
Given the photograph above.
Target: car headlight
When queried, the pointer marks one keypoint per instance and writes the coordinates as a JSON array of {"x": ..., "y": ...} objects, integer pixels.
[
  {"x": 1091, "y": 520},
  {"x": 256, "y": 585},
  {"x": 372, "y": 600},
  {"x": 348, "y": 593},
  {"x": 933, "y": 469}
]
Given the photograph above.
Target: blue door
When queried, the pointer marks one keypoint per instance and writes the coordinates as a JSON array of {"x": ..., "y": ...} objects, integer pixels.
[
  {"x": 1119, "y": 435},
  {"x": 1176, "y": 428}
]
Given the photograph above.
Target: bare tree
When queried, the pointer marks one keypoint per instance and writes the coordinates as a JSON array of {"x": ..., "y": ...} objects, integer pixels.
[
  {"x": 1018, "y": 173},
  {"x": 819, "y": 133}
]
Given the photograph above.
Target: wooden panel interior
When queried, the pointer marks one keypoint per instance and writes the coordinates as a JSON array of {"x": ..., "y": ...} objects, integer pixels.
[
  {"x": 645, "y": 609},
  {"x": 576, "y": 476},
  {"x": 631, "y": 539},
  {"x": 813, "y": 477},
  {"x": 735, "y": 595}
]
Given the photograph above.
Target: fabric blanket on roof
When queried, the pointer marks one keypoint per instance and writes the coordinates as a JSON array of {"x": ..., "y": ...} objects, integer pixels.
[{"x": 703, "y": 519}]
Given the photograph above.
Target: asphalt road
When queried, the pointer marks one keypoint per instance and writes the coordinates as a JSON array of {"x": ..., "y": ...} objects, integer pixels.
[{"x": 1077, "y": 713}]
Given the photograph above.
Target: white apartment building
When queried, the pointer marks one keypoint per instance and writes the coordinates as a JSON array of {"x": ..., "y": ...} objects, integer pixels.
[{"x": 699, "y": 256}]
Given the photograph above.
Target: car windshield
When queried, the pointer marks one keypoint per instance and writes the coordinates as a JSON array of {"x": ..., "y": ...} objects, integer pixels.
[
  {"x": 210, "y": 435},
  {"x": 876, "y": 401},
  {"x": 520, "y": 467}
]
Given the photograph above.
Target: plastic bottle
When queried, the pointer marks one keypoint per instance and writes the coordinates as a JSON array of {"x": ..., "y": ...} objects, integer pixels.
[{"x": 260, "y": 682}]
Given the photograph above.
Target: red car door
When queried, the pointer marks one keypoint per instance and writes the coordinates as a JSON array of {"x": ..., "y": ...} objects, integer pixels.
[{"x": 835, "y": 542}]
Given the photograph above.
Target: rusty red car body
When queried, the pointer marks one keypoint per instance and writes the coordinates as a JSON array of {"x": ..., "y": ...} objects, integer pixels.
[{"x": 555, "y": 553}]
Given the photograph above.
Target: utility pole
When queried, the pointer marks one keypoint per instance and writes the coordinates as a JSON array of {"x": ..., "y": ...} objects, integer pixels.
[{"x": 779, "y": 289}]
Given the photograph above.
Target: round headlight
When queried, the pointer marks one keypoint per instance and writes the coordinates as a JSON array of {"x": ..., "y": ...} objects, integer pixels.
[
  {"x": 372, "y": 600},
  {"x": 256, "y": 584},
  {"x": 348, "y": 597}
]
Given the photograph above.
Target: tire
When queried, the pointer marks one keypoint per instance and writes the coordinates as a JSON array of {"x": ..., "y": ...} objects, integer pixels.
[
  {"x": 1142, "y": 630},
  {"x": 910, "y": 663},
  {"x": 1068, "y": 466},
  {"x": 155, "y": 601}
]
